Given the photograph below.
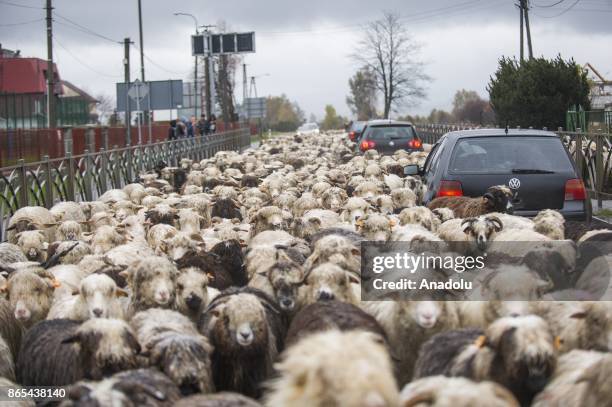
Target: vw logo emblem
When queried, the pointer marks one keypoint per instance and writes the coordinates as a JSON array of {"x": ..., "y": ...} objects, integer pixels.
[{"x": 514, "y": 183}]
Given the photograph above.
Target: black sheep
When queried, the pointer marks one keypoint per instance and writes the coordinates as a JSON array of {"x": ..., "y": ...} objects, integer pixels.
[
  {"x": 226, "y": 208},
  {"x": 59, "y": 352},
  {"x": 324, "y": 315},
  {"x": 246, "y": 329},
  {"x": 141, "y": 387},
  {"x": 224, "y": 262},
  {"x": 249, "y": 181}
]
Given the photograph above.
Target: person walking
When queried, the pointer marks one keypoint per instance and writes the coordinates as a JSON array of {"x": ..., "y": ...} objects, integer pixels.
[
  {"x": 202, "y": 125},
  {"x": 172, "y": 130},
  {"x": 181, "y": 129},
  {"x": 213, "y": 124}
]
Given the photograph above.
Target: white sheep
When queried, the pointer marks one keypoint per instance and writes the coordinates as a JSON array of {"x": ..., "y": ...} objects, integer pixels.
[{"x": 96, "y": 298}]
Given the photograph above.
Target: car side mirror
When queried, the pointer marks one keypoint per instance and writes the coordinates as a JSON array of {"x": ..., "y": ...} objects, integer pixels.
[{"x": 412, "y": 169}]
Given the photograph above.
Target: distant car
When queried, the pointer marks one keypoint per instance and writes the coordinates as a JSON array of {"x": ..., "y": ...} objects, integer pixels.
[
  {"x": 354, "y": 131},
  {"x": 534, "y": 164},
  {"x": 308, "y": 128},
  {"x": 388, "y": 136}
]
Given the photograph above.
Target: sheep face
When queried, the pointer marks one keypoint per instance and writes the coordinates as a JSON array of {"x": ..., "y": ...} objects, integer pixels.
[
  {"x": 375, "y": 227},
  {"x": 269, "y": 218},
  {"x": 354, "y": 209},
  {"x": 33, "y": 244},
  {"x": 334, "y": 198},
  {"x": 191, "y": 290},
  {"x": 426, "y": 313},
  {"x": 403, "y": 198},
  {"x": 30, "y": 296},
  {"x": 526, "y": 348},
  {"x": 185, "y": 359},
  {"x": 240, "y": 324},
  {"x": 285, "y": 276},
  {"x": 328, "y": 282},
  {"x": 482, "y": 229},
  {"x": 418, "y": 215},
  {"x": 106, "y": 346},
  {"x": 69, "y": 230},
  {"x": 180, "y": 244},
  {"x": 498, "y": 199},
  {"x": 153, "y": 281},
  {"x": 99, "y": 292}
]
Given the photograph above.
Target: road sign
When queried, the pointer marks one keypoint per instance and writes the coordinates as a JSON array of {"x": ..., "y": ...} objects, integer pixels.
[
  {"x": 226, "y": 43},
  {"x": 138, "y": 90},
  {"x": 159, "y": 95},
  {"x": 254, "y": 108}
]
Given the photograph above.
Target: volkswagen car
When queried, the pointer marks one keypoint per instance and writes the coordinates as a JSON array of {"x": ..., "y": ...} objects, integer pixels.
[{"x": 534, "y": 164}]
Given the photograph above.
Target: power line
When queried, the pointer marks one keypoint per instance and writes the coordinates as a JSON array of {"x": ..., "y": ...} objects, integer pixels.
[
  {"x": 22, "y": 23},
  {"x": 8, "y": 3},
  {"x": 359, "y": 26},
  {"x": 81, "y": 62},
  {"x": 85, "y": 29},
  {"x": 549, "y": 5},
  {"x": 562, "y": 12}
]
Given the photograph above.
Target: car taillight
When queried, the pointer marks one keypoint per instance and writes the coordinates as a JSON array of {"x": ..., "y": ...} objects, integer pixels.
[
  {"x": 450, "y": 188},
  {"x": 574, "y": 190},
  {"x": 352, "y": 136},
  {"x": 415, "y": 143},
  {"x": 367, "y": 144}
]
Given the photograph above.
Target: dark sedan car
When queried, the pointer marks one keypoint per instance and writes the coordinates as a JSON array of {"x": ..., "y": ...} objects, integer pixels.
[
  {"x": 533, "y": 164},
  {"x": 388, "y": 136}
]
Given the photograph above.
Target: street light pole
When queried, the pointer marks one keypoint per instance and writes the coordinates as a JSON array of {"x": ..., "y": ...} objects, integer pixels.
[{"x": 195, "y": 73}]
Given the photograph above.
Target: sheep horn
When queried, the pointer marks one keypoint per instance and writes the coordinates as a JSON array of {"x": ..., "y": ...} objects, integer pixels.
[{"x": 427, "y": 397}]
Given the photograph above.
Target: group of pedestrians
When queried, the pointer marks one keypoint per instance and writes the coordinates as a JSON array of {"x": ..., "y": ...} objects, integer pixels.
[{"x": 183, "y": 127}]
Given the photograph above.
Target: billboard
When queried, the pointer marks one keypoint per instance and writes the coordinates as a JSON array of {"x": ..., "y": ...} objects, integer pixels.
[
  {"x": 159, "y": 95},
  {"x": 254, "y": 108},
  {"x": 227, "y": 43}
]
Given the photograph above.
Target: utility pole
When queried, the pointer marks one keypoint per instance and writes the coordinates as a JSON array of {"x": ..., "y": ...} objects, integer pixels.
[
  {"x": 526, "y": 11},
  {"x": 520, "y": 6},
  {"x": 128, "y": 112},
  {"x": 208, "y": 71},
  {"x": 148, "y": 116},
  {"x": 51, "y": 122},
  {"x": 244, "y": 84},
  {"x": 142, "y": 71},
  {"x": 253, "y": 87}
]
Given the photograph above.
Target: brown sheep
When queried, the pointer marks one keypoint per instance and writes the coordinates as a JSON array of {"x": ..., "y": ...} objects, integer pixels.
[{"x": 496, "y": 199}]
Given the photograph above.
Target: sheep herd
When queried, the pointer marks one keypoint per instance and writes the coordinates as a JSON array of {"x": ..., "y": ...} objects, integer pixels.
[{"x": 235, "y": 281}]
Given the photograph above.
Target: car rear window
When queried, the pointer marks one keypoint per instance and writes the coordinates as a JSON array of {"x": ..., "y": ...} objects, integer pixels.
[
  {"x": 358, "y": 126},
  {"x": 391, "y": 132},
  {"x": 506, "y": 155}
]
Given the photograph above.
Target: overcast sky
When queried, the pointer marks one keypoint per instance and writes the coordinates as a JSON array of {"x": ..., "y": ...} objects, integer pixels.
[{"x": 304, "y": 46}]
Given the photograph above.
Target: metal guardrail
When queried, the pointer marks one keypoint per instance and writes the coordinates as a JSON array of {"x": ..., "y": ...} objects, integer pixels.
[
  {"x": 86, "y": 176},
  {"x": 592, "y": 153}
]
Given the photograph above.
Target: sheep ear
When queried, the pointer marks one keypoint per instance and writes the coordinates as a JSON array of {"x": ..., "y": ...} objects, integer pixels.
[
  {"x": 49, "y": 225},
  {"x": 579, "y": 315},
  {"x": 119, "y": 292},
  {"x": 74, "y": 338},
  {"x": 196, "y": 236},
  {"x": 353, "y": 278},
  {"x": 4, "y": 289},
  {"x": 558, "y": 342}
]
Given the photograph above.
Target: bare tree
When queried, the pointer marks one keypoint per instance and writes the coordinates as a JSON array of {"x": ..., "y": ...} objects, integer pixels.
[
  {"x": 390, "y": 52},
  {"x": 104, "y": 107}
]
